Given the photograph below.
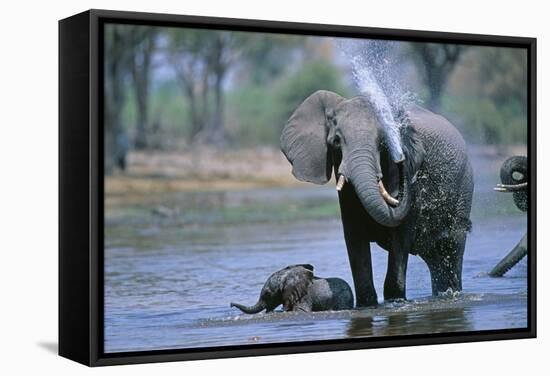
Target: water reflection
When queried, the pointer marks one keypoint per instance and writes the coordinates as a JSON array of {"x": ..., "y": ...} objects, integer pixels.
[
  {"x": 403, "y": 323},
  {"x": 360, "y": 327}
]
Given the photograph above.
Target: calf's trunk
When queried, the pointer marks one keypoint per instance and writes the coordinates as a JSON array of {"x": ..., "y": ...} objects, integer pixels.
[{"x": 256, "y": 308}]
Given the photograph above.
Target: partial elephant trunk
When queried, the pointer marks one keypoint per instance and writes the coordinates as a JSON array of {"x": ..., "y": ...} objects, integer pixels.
[
  {"x": 363, "y": 166},
  {"x": 511, "y": 259},
  {"x": 256, "y": 308},
  {"x": 514, "y": 177}
]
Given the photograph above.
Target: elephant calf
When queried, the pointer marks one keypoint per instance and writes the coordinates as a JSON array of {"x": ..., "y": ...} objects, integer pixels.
[{"x": 297, "y": 289}]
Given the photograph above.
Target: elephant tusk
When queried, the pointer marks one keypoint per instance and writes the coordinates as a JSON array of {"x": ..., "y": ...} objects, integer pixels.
[
  {"x": 510, "y": 187},
  {"x": 387, "y": 197},
  {"x": 340, "y": 184}
]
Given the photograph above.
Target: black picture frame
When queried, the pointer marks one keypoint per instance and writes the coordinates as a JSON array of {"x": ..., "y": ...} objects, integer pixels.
[{"x": 81, "y": 187}]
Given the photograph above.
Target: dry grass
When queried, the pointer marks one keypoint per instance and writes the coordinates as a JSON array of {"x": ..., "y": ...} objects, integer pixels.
[
  {"x": 207, "y": 168},
  {"x": 201, "y": 169}
]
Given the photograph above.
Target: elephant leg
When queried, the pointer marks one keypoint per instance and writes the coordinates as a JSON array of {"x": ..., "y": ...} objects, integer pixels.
[
  {"x": 358, "y": 246},
  {"x": 445, "y": 264},
  {"x": 396, "y": 275},
  {"x": 303, "y": 306},
  {"x": 361, "y": 270}
]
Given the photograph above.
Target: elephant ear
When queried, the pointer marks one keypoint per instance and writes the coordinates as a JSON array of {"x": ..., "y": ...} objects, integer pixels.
[
  {"x": 304, "y": 138},
  {"x": 307, "y": 266},
  {"x": 412, "y": 145},
  {"x": 295, "y": 285}
]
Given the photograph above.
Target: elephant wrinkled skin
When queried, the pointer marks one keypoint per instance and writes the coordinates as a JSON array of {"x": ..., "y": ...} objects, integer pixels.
[
  {"x": 297, "y": 289},
  {"x": 515, "y": 178},
  {"x": 409, "y": 189}
]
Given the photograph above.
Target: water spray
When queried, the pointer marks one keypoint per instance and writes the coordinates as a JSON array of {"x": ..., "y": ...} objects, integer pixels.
[{"x": 375, "y": 78}]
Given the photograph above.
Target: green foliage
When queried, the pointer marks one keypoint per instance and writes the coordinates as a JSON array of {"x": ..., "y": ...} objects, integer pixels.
[
  {"x": 503, "y": 75},
  {"x": 436, "y": 62},
  {"x": 170, "y": 110},
  {"x": 266, "y": 57},
  {"x": 256, "y": 111},
  {"x": 310, "y": 77},
  {"x": 254, "y": 211},
  {"x": 487, "y": 99},
  {"x": 264, "y": 77},
  {"x": 169, "y": 114},
  {"x": 261, "y": 111},
  {"x": 482, "y": 121}
]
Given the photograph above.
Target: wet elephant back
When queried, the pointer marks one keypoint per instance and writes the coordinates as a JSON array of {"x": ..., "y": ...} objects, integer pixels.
[{"x": 330, "y": 294}]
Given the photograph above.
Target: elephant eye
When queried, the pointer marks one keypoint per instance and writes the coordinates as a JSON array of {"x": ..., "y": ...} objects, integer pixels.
[
  {"x": 336, "y": 141},
  {"x": 517, "y": 176},
  {"x": 331, "y": 117}
]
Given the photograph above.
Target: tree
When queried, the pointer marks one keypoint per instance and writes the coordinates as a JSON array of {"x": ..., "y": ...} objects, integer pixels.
[
  {"x": 489, "y": 95},
  {"x": 503, "y": 73},
  {"x": 116, "y": 63},
  {"x": 436, "y": 62},
  {"x": 312, "y": 76},
  {"x": 201, "y": 61},
  {"x": 186, "y": 53},
  {"x": 221, "y": 55},
  {"x": 265, "y": 57},
  {"x": 142, "y": 41}
]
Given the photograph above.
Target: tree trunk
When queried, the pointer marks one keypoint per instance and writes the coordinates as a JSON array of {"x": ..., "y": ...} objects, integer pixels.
[
  {"x": 195, "y": 121},
  {"x": 188, "y": 89},
  {"x": 437, "y": 62},
  {"x": 436, "y": 82},
  {"x": 217, "y": 131},
  {"x": 140, "y": 141},
  {"x": 116, "y": 145},
  {"x": 141, "y": 72},
  {"x": 201, "y": 69}
]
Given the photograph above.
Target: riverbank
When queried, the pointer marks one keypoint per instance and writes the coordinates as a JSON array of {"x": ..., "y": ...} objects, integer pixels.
[
  {"x": 208, "y": 169},
  {"x": 247, "y": 185}
]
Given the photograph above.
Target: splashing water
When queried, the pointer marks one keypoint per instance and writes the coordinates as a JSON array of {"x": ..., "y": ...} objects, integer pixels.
[
  {"x": 368, "y": 86},
  {"x": 375, "y": 78}
]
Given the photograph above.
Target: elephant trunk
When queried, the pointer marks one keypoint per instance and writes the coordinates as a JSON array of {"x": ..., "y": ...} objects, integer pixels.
[
  {"x": 256, "y": 308},
  {"x": 511, "y": 259},
  {"x": 363, "y": 166}
]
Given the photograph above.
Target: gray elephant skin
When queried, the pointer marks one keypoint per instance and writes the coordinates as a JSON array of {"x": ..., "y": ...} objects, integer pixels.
[
  {"x": 514, "y": 177},
  {"x": 297, "y": 289},
  {"x": 408, "y": 188}
]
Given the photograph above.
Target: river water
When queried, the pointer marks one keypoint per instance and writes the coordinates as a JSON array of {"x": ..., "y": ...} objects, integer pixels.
[{"x": 169, "y": 281}]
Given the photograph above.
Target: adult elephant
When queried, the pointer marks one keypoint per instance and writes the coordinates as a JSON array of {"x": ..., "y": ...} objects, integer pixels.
[{"x": 409, "y": 187}]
